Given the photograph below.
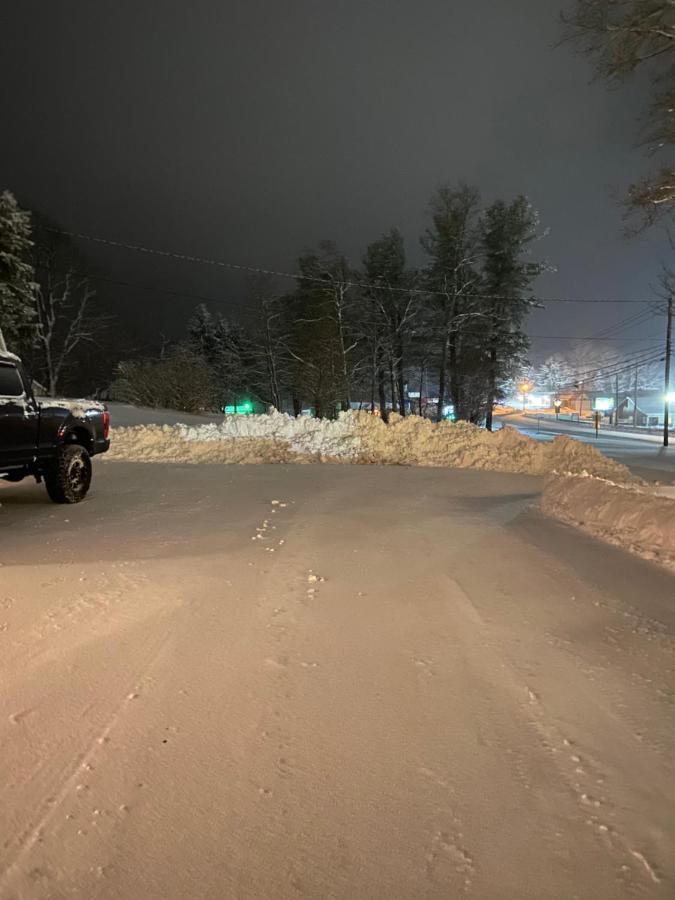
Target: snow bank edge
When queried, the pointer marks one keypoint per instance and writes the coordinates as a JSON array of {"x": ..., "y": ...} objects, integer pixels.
[{"x": 623, "y": 515}]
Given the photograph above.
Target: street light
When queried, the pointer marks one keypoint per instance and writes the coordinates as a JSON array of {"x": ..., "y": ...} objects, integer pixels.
[{"x": 525, "y": 387}]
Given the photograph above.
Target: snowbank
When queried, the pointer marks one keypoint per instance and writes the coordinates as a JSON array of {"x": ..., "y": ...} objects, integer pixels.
[
  {"x": 622, "y": 514},
  {"x": 361, "y": 438}
]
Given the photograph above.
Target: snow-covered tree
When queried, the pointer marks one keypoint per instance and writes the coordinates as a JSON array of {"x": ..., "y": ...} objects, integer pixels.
[
  {"x": 225, "y": 349},
  {"x": 17, "y": 282},
  {"x": 554, "y": 374},
  {"x": 592, "y": 365}
]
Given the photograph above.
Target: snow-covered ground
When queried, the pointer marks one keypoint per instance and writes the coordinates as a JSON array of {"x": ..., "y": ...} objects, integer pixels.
[{"x": 328, "y": 681}]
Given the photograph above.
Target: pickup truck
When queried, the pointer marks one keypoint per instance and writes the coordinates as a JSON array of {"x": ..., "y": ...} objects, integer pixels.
[{"x": 49, "y": 439}]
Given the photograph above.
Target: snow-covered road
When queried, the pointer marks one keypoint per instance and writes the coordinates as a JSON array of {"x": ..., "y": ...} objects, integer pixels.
[{"x": 393, "y": 682}]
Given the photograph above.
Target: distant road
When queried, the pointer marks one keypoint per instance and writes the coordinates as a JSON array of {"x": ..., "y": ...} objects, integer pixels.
[{"x": 642, "y": 453}]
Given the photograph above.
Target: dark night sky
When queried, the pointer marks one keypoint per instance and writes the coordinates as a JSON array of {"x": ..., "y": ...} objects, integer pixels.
[{"x": 250, "y": 130}]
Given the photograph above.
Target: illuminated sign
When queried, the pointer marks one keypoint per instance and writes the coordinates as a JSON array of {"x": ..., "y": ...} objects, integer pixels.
[
  {"x": 245, "y": 408},
  {"x": 603, "y": 404}
]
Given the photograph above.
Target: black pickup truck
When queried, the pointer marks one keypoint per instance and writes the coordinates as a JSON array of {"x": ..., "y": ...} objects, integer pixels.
[{"x": 51, "y": 440}]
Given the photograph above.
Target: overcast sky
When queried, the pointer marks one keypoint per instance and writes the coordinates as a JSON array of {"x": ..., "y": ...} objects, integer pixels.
[{"x": 250, "y": 130}]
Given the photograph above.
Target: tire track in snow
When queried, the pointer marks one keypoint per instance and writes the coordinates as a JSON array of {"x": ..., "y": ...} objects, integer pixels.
[{"x": 66, "y": 779}]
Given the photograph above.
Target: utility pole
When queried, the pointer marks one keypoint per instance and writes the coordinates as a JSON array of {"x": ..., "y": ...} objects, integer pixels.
[
  {"x": 616, "y": 401},
  {"x": 669, "y": 336},
  {"x": 635, "y": 398}
]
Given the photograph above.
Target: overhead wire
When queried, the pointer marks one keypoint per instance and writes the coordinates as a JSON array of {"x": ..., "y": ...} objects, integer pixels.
[{"x": 259, "y": 270}]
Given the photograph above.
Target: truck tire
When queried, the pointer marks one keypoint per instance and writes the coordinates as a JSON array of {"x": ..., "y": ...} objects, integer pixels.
[{"x": 68, "y": 478}]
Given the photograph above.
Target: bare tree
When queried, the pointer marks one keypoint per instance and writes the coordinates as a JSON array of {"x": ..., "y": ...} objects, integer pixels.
[
  {"x": 270, "y": 357},
  {"x": 623, "y": 36},
  {"x": 64, "y": 321},
  {"x": 181, "y": 380}
]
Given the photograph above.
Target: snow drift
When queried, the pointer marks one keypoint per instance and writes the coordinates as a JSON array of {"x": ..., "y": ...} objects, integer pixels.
[
  {"x": 361, "y": 438},
  {"x": 622, "y": 514}
]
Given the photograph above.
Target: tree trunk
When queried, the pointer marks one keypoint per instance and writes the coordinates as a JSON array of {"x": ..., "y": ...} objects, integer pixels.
[
  {"x": 400, "y": 382},
  {"x": 382, "y": 392},
  {"x": 492, "y": 388},
  {"x": 297, "y": 405},
  {"x": 345, "y": 402},
  {"x": 442, "y": 374},
  {"x": 454, "y": 375},
  {"x": 392, "y": 383},
  {"x": 272, "y": 369}
]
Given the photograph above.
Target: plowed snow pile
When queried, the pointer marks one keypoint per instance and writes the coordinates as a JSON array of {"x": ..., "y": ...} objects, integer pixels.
[
  {"x": 619, "y": 513},
  {"x": 361, "y": 438}
]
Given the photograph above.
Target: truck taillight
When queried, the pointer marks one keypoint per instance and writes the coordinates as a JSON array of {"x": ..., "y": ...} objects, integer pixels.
[{"x": 106, "y": 424}]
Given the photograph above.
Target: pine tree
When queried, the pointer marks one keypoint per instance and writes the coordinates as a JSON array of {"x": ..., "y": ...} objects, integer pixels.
[
  {"x": 203, "y": 334},
  {"x": 391, "y": 314},
  {"x": 555, "y": 374},
  {"x": 226, "y": 351},
  {"x": 322, "y": 338},
  {"x": 451, "y": 242},
  {"x": 506, "y": 232},
  {"x": 17, "y": 285}
]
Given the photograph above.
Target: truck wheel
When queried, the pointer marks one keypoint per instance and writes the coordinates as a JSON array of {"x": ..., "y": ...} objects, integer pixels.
[{"x": 69, "y": 476}]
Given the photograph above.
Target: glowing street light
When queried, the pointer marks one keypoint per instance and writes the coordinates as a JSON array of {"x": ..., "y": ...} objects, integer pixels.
[{"x": 525, "y": 387}]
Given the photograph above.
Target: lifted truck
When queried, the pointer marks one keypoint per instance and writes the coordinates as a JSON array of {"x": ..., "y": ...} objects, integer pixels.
[{"x": 49, "y": 439}]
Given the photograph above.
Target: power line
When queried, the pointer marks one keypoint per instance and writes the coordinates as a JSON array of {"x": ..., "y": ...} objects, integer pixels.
[
  {"x": 618, "y": 361},
  {"x": 257, "y": 270},
  {"x": 181, "y": 295},
  {"x": 201, "y": 298},
  {"x": 558, "y": 337},
  {"x": 601, "y": 373},
  {"x": 632, "y": 321}
]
